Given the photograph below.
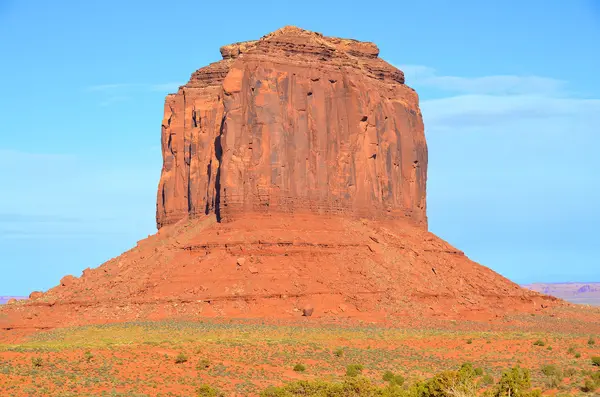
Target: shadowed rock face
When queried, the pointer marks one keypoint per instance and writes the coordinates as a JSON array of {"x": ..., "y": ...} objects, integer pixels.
[{"x": 294, "y": 122}]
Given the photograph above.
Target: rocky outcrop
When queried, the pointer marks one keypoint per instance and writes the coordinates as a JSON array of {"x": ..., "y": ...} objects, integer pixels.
[
  {"x": 294, "y": 122},
  {"x": 297, "y": 125}
]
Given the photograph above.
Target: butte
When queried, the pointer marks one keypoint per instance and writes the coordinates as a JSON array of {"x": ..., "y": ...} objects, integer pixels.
[{"x": 294, "y": 174}]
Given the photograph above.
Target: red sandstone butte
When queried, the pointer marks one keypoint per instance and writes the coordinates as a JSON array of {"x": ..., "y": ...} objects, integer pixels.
[
  {"x": 294, "y": 122},
  {"x": 293, "y": 188}
]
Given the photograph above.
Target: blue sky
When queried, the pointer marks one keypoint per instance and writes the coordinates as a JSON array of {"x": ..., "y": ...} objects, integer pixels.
[{"x": 510, "y": 94}]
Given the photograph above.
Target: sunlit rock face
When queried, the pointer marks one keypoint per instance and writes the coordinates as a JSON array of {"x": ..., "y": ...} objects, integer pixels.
[{"x": 294, "y": 122}]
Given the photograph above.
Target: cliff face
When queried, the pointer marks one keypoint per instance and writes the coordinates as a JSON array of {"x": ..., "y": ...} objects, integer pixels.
[{"x": 294, "y": 122}]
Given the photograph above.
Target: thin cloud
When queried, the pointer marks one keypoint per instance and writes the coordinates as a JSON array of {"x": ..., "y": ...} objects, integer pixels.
[
  {"x": 466, "y": 111},
  {"x": 486, "y": 101},
  {"x": 114, "y": 99},
  {"x": 424, "y": 76}
]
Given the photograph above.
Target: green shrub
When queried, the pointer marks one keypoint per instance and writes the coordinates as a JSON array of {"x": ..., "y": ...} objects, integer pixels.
[
  {"x": 571, "y": 350},
  {"x": 209, "y": 391},
  {"x": 394, "y": 379},
  {"x": 354, "y": 370},
  {"x": 515, "y": 382},
  {"x": 299, "y": 368},
  {"x": 487, "y": 380},
  {"x": 88, "y": 356},
  {"x": 181, "y": 358},
  {"x": 591, "y": 341},
  {"x": 339, "y": 352},
  {"x": 469, "y": 341},
  {"x": 569, "y": 372},
  {"x": 553, "y": 382},
  {"x": 549, "y": 348},
  {"x": 539, "y": 342},
  {"x": 467, "y": 371},
  {"x": 203, "y": 364},
  {"x": 37, "y": 361},
  {"x": 577, "y": 355},
  {"x": 550, "y": 370},
  {"x": 355, "y": 387},
  {"x": 398, "y": 380},
  {"x": 589, "y": 386},
  {"x": 449, "y": 383},
  {"x": 478, "y": 371},
  {"x": 596, "y": 361}
]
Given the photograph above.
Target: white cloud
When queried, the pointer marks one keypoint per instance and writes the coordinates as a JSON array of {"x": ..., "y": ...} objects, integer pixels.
[
  {"x": 498, "y": 101},
  {"x": 114, "y": 99},
  {"x": 466, "y": 111},
  {"x": 424, "y": 76}
]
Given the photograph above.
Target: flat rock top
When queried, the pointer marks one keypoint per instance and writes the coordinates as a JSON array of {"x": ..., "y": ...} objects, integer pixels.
[
  {"x": 294, "y": 45},
  {"x": 292, "y": 37}
]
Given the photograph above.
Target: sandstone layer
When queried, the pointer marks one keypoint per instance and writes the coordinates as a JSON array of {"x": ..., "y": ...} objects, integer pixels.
[{"x": 294, "y": 122}]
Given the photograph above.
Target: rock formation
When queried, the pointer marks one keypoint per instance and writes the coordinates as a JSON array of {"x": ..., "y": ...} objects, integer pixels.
[
  {"x": 294, "y": 122},
  {"x": 293, "y": 187}
]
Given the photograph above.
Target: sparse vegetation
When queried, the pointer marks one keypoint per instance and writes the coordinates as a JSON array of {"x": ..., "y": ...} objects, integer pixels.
[
  {"x": 569, "y": 372},
  {"x": 550, "y": 370},
  {"x": 394, "y": 379},
  {"x": 596, "y": 361},
  {"x": 487, "y": 380},
  {"x": 241, "y": 359},
  {"x": 589, "y": 386},
  {"x": 37, "y": 362},
  {"x": 357, "y": 387},
  {"x": 299, "y": 368},
  {"x": 354, "y": 370},
  {"x": 515, "y": 382},
  {"x": 539, "y": 342},
  {"x": 203, "y": 364},
  {"x": 591, "y": 341},
  {"x": 181, "y": 358},
  {"x": 209, "y": 391}
]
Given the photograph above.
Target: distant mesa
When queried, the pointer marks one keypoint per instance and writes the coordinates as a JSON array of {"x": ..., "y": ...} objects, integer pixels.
[
  {"x": 293, "y": 187},
  {"x": 6, "y": 299},
  {"x": 582, "y": 293}
]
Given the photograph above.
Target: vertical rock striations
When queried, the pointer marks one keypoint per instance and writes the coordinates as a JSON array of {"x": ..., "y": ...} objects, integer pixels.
[{"x": 294, "y": 122}]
